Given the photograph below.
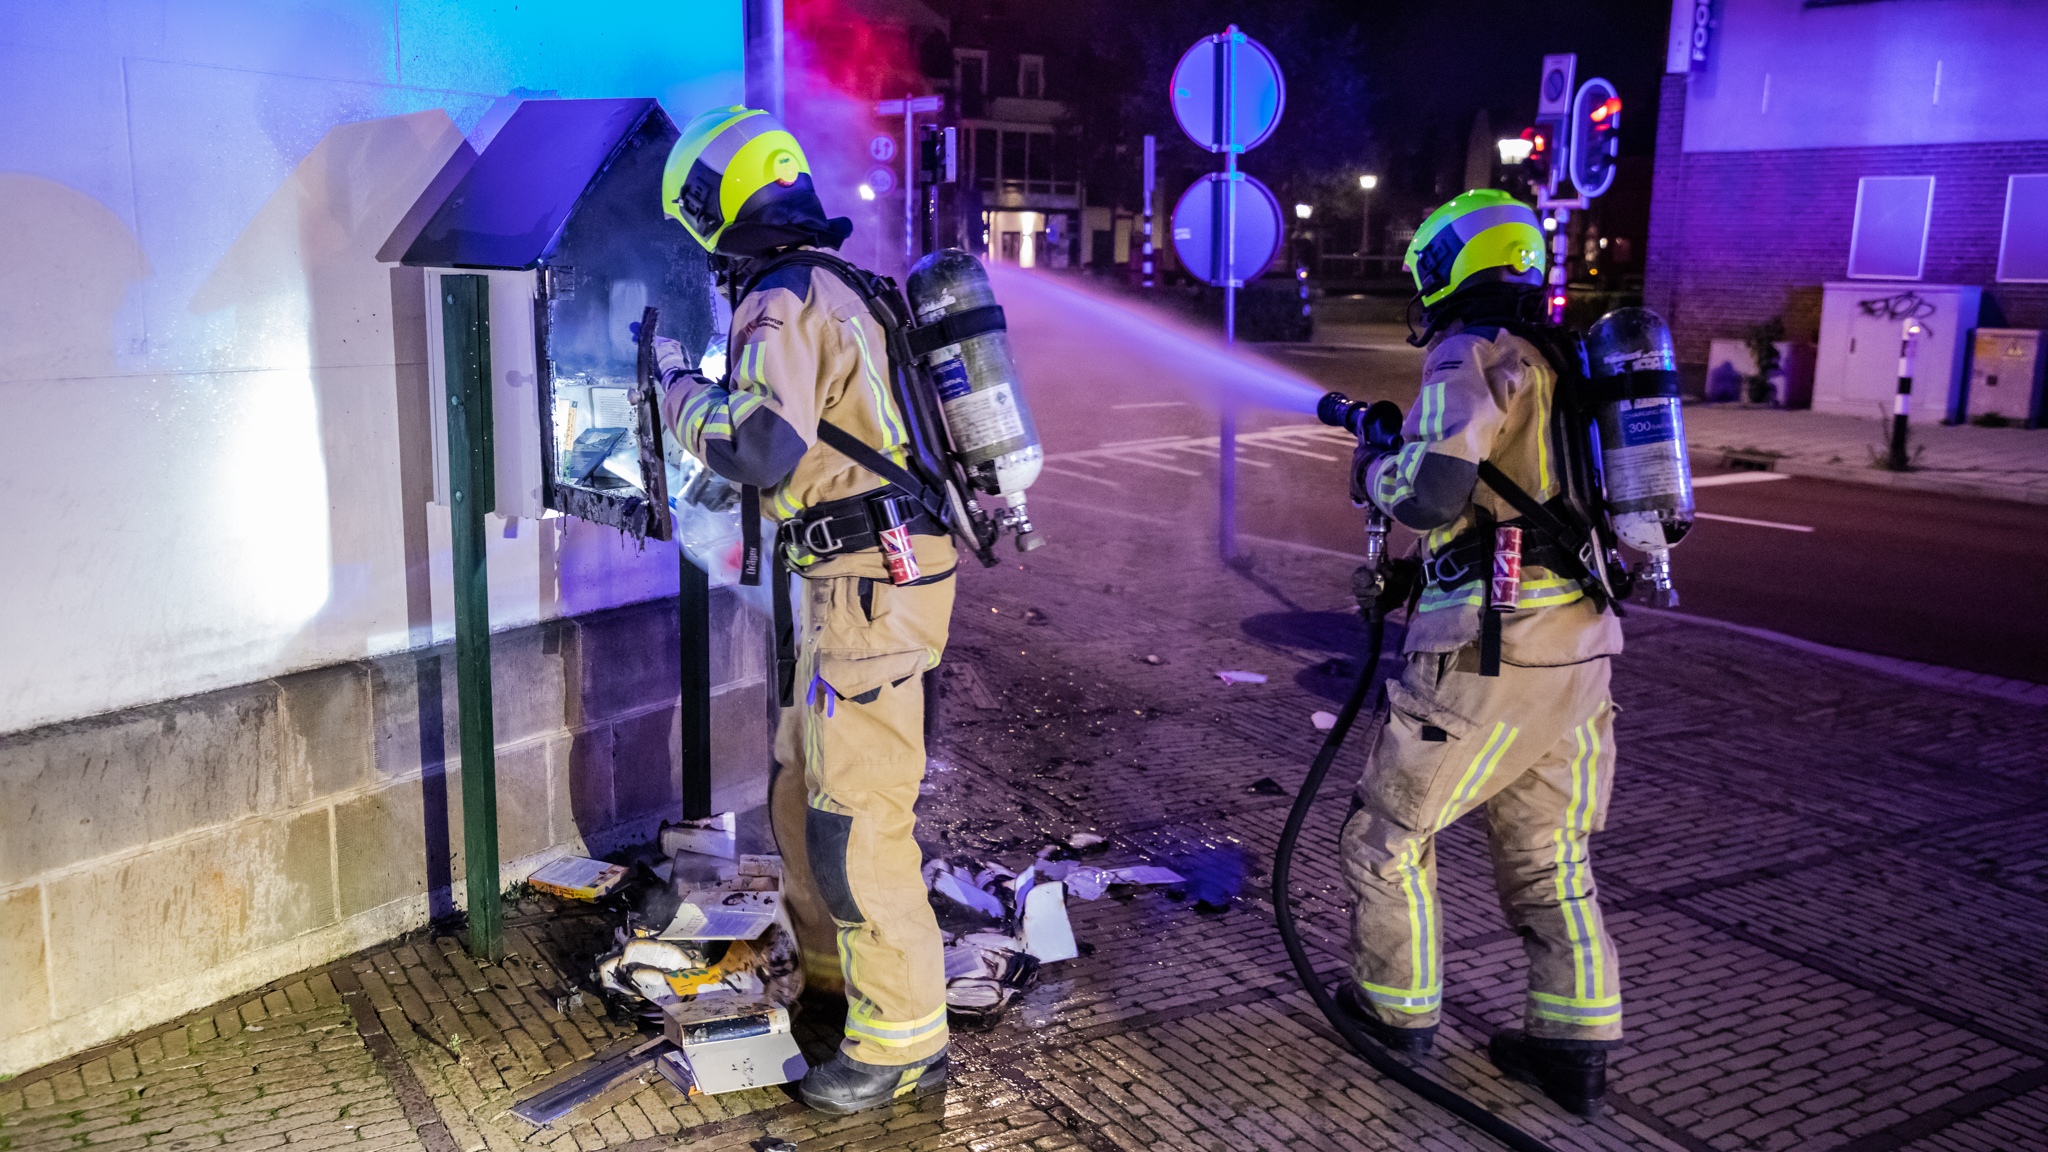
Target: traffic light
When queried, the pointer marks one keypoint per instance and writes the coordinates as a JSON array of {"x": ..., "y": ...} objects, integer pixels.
[
  {"x": 1552, "y": 134},
  {"x": 1596, "y": 137},
  {"x": 937, "y": 155},
  {"x": 1546, "y": 161}
]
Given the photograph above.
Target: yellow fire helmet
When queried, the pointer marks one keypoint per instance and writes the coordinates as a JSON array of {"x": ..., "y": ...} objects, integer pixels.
[
  {"x": 740, "y": 183},
  {"x": 1481, "y": 237}
]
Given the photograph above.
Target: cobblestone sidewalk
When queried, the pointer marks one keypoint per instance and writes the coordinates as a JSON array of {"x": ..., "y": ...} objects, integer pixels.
[
  {"x": 1962, "y": 460},
  {"x": 1830, "y": 894}
]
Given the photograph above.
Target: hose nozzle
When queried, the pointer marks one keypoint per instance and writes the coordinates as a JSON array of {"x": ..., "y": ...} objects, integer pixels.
[
  {"x": 1377, "y": 424},
  {"x": 1341, "y": 411}
]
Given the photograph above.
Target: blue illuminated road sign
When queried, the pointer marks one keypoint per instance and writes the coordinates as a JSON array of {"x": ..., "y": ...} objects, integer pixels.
[
  {"x": 1227, "y": 92},
  {"x": 1200, "y": 242}
]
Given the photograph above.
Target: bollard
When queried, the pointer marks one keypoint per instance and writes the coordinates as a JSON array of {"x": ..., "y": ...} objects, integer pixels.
[{"x": 1909, "y": 344}]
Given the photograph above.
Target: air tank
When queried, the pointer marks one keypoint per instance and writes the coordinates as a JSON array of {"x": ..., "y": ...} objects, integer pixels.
[
  {"x": 987, "y": 420},
  {"x": 1645, "y": 475}
]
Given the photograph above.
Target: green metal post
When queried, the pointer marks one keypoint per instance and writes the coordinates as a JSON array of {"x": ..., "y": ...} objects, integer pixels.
[
  {"x": 694, "y": 611},
  {"x": 472, "y": 491}
]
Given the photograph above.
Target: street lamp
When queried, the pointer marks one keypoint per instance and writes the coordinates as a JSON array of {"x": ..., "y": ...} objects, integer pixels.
[
  {"x": 1514, "y": 150},
  {"x": 866, "y": 192},
  {"x": 1303, "y": 211},
  {"x": 1365, "y": 184}
]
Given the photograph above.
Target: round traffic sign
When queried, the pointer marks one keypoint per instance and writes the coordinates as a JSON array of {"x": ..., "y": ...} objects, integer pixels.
[
  {"x": 882, "y": 181},
  {"x": 1197, "y": 221},
  {"x": 882, "y": 149},
  {"x": 1234, "y": 114}
]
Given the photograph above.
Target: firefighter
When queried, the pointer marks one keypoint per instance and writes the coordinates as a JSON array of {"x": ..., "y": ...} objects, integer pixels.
[
  {"x": 808, "y": 363},
  {"x": 1502, "y": 705}
]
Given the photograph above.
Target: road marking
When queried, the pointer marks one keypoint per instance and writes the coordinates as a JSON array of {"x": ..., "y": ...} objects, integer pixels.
[
  {"x": 1215, "y": 452},
  {"x": 1120, "y": 451},
  {"x": 1152, "y": 440},
  {"x": 1738, "y": 478},
  {"x": 1752, "y": 523},
  {"x": 1154, "y": 404},
  {"x": 1300, "y": 547},
  {"x": 1102, "y": 511},
  {"x": 1272, "y": 447},
  {"x": 1058, "y": 471},
  {"x": 1128, "y": 459}
]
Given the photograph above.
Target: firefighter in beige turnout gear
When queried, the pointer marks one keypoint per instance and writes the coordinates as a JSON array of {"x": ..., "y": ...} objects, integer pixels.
[
  {"x": 1533, "y": 744},
  {"x": 804, "y": 353}
]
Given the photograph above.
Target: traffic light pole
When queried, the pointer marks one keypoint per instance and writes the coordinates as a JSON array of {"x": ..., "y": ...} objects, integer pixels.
[{"x": 1561, "y": 217}]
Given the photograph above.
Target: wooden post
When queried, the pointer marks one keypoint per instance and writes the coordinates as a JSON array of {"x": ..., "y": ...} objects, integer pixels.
[{"x": 472, "y": 491}]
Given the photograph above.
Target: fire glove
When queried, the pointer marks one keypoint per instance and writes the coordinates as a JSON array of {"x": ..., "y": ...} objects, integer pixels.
[
  {"x": 1389, "y": 588},
  {"x": 670, "y": 360},
  {"x": 1379, "y": 434}
]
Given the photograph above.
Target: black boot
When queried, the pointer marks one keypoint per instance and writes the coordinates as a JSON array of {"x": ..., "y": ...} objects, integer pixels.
[
  {"x": 844, "y": 1085},
  {"x": 1571, "y": 1072},
  {"x": 1407, "y": 1041}
]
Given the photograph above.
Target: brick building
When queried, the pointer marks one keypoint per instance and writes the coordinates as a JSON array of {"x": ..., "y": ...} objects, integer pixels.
[{"x": 1764, "y": 145}]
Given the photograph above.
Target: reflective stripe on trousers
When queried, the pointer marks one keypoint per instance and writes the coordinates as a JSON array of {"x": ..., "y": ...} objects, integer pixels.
[{"x": 1535, "y": 746}]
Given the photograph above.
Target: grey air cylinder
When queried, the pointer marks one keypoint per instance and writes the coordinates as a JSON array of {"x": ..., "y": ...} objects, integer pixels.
[
  {"x": 987, "y": 419},
  {"x": 1644, "y": 469}
]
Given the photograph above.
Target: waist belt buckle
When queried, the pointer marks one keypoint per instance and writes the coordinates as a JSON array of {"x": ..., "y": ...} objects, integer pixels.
[
  {"x": 818, "y": 539},
  {"x": 1433, "y": 571}
]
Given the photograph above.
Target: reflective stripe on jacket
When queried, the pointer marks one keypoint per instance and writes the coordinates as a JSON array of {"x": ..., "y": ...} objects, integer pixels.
[
  {"x": 1487, "y": 395},
  {"x": 804, "y": 347}
]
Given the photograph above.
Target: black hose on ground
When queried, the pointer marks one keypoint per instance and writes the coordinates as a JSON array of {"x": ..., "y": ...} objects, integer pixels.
[{"x": 1283, "y": 862}]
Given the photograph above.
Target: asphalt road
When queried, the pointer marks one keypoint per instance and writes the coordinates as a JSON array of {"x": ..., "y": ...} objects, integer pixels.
[{"x": 1130, "y": 422}]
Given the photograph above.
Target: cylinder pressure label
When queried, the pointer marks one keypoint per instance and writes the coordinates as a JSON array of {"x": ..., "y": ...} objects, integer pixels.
[
  {"x": 979, "y": 419},
  {"x": 1649, "y": 461}
]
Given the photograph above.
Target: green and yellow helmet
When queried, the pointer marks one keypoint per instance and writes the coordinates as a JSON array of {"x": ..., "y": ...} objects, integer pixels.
[
  {"x": 1482, "y": 237},
  {"x": 739, "y": 182}
]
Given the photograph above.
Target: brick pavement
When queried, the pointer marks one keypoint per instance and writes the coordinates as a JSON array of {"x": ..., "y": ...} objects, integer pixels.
[
  {"x": 1964, "y": 460},
  {"x": 1828, "y": 887}
]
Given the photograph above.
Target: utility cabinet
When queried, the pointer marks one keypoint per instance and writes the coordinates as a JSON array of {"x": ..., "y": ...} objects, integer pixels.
[
  {"x": 562, "y": 211},
  {"x": 2006, "y": 375},
  {"x": 1857, "y": 370}
]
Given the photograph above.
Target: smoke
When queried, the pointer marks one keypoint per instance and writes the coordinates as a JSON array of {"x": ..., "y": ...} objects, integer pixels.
[{"x": 836, "y": 64}]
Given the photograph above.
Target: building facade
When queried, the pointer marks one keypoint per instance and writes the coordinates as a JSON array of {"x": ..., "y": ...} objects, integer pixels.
[{"x": 1888, "y": 143}]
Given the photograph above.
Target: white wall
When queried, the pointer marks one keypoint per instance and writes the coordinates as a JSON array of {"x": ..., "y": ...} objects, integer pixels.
[
  {"x": 1781, "y": 75},
  {"x": 209, "y": 449}
]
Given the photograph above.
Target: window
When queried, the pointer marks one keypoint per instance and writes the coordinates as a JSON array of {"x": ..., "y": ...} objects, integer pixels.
[
  {"x": 1038, "y": 159},
  {"x": 1031, "y": 77},
  {"x": 970, "y": 71},
  {"x": 1013, "y": 156},
  {"x": 985, "y": 154},
  {"x": 1064, "y": 161},
  {"x": 2023, "y": 244},
  {"x": 1889, "y": 240}
]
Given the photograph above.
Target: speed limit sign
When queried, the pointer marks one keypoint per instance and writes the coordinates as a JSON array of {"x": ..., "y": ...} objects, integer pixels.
[{"x": 882, "y": 149}]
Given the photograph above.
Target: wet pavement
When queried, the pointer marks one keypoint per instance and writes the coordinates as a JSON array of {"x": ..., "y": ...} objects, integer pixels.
[{"x": 1827, "y": 886}]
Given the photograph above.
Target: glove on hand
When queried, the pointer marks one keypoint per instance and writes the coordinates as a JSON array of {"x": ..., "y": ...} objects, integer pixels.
[
  {"x": 1387, "y": 589},
  {"x": 670, "y": 359},
  {"x": 1379, "y": 434}
]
